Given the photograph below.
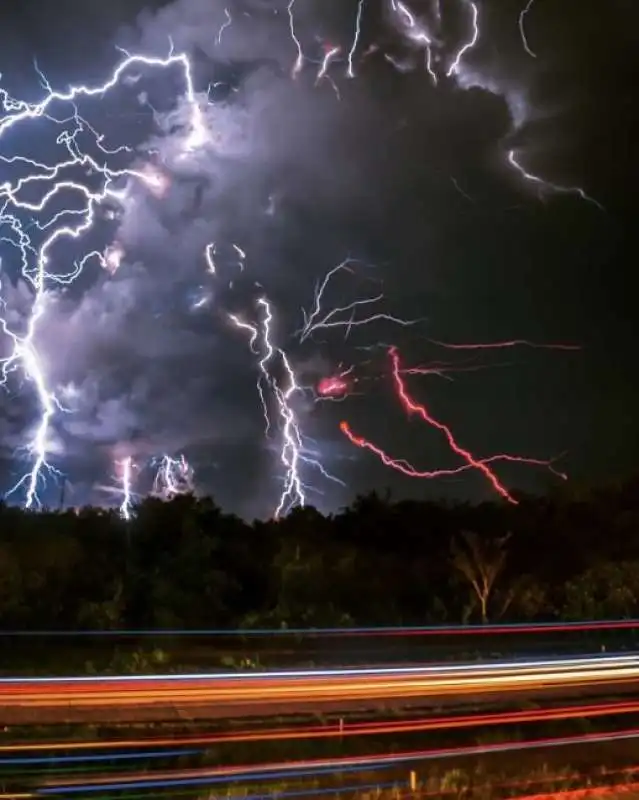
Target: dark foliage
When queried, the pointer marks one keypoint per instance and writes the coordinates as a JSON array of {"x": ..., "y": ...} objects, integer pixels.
[{"x": 187, "y": 564}]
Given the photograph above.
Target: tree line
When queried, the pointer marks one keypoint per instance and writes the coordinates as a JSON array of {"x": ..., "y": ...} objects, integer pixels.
[{"x": 187, "y": 564}]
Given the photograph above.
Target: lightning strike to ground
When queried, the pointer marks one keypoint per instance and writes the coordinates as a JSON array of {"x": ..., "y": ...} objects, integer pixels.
[
  {"x": 125, "y": 467},
  {"x": 293, "y": 453},
  {"x": 35, "y": 259},
  {"x": 72, "y": 223}
]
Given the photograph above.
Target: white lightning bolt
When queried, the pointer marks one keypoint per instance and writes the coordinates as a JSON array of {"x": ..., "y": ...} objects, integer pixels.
[
  {"x": 126, "y": 468},
  {"x": 358, "y": 29},
  {"x": 174, "y": 477},
  {"x": 35, "y": 259},
  {"x": 227, "y": 22},
  {"x": 335, "y": 318},
  {"x": 299, "y": 61},
  {"x": 326, "y": 62},
  {"x": 293, "y": 451},
  {"x": 209, "y": 255},
  {"x": 469, "y": 44},
  {"x": 417, "y": 34},
  {"x": 264, "y": 377},
  {"x": 522, "y": 30},
  {"x": 241, "y": 255},
  {"x": 543, "y": 184}
]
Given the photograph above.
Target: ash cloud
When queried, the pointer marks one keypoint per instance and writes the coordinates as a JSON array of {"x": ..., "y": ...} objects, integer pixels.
[{"x": 300, "y": 174}]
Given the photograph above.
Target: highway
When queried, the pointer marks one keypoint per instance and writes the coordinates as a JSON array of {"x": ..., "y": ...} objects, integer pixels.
[
  {"x": 276, "y": 772},
  {"x": 138, "y": 699}
]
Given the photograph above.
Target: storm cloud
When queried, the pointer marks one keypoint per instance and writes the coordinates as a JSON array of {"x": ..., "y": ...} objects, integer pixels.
[{"x": 297, "y": 173}]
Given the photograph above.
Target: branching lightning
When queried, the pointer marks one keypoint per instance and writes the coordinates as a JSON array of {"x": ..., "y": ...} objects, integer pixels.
[
  {"x": 547, "y": 185},
  {"x": 34, "y": 229},
  {"x": 343, "y": 316},
  {"x": 412, "y": 407},
  {"x": 174, "y": 476},
  {"x": 36, "y": 258},
  {"x": 294, "y": 453},
  {"x": 416, "y": 34},
  {"x": 406, "y": 468}
]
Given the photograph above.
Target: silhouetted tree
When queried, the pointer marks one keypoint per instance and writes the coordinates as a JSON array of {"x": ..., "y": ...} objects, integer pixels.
[
  {"x": 187, "y": 564},
  {"x": 481, "y": 562}
]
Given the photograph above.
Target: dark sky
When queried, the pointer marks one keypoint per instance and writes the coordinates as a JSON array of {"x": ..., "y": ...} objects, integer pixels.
[{"x": 409, "y": 178}]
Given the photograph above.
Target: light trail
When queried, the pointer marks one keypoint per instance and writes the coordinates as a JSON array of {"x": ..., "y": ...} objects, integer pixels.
[
  {"x": 521, "y": 666},
  {"x": 434, "y": 630},
  {"x": 91, "y": 759},
  {"x": 319, "y": 767},
  {"x": 338, "y": 730},
  {"x": 141, "y": 698}
]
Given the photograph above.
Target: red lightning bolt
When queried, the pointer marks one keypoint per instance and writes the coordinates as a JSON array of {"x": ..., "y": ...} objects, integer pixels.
[{"x": 471, "y": 461}]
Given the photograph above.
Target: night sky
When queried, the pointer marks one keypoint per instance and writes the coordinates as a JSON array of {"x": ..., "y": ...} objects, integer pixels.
[{"x": 409, "y": 179}]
